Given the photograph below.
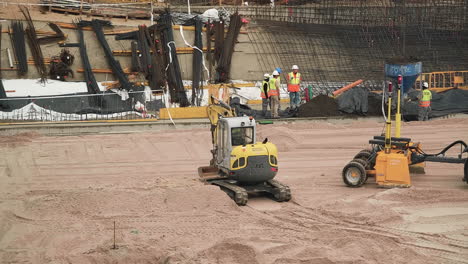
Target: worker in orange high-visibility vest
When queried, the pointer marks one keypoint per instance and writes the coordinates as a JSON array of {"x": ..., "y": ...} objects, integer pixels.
[
  {"x": 294, "y": 86},
  {"x": 424, "y": 103},
  {"x": 273, "y": 94},
  {"x": 264, "y": 89}
]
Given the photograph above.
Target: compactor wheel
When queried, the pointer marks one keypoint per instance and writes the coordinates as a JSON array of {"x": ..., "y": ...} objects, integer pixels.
[
  {"x": 354, "y": 174},
  {"x": 365, "y": 154}
]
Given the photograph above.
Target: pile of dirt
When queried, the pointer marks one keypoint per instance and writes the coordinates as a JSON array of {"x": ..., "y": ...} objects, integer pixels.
[
  {"x": 374, "y": 102},
  {"x": 321, "y": 105}
]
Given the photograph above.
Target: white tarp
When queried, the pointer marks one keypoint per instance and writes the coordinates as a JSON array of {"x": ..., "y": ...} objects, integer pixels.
[{"x": 33, "y": 112}]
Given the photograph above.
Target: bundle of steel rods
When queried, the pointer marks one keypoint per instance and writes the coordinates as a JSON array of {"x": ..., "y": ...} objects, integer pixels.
[
  {"x": 143, "y": 46},
  {"x": 85, "y": 23},
  {"x": 19, "y": 46},
  {"x": 174, "y": 77},
  {"x": 158, "y": 70},
  {"x": 34, "y": 45},
  {"x": 218, "y": 28},
  {"x": 2, "y": 89},
  {"x": 224, "y": 63},
  {"x": 91, "y": 83},
  {"x": 209, "y": 53},
  {"x": 57, "y": 37},
  {"x": 197, "y": 63},
  {"x": 113, "y": 63},
  {"x": 135, "y": 57}
]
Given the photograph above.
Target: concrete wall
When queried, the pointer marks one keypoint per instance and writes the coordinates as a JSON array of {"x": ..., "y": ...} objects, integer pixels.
[{"x": 244, "y": 63}]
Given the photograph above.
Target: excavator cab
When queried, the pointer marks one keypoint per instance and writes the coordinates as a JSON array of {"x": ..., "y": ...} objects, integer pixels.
[
  {"x": 239, "y": 156},
  {"x": 240, "y": 165}
]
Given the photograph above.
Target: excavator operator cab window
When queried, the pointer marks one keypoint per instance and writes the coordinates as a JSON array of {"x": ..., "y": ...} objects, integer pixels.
[{"x": 242, "y": 136}]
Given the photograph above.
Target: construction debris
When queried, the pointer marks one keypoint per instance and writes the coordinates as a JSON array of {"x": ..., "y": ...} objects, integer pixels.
[{"x": 59, "y": 68}]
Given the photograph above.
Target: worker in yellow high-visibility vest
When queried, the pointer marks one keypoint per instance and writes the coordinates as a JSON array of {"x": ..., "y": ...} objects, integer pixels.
[
  {"x": 294, "y": 87},
  {"x": 424, "y": 103},
  {"x": 273, "y": 94},
  {"x": 264, "y": 90}
]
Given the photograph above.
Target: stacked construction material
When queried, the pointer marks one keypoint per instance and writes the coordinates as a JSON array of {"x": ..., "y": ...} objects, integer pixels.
[
  {"x": 113, "y": 63},
  {"x": 52, "y": 38},
  {"x": 34, "y": 45},
  {"x": 197, "y": 64},
  {"x": 147, "y": 54},
  {"x": 174, "y": 77},
  {"x": 19, "y": 46},
  {"x": 91, "y": 83},
  {"x": 144, "y": 55},
  {"x": 2, "y": 89},
  {"x": 68, "y": 4},
  {"x": 224, "y": 63},
  {"x": 135, "y": 57}
]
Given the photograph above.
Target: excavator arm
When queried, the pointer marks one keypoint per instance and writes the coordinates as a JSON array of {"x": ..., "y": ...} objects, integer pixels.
[{"x": 216, "y": 109}]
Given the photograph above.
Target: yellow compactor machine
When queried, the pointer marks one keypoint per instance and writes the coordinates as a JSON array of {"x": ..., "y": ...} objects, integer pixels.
[
  {"x": 240, "y": 165},
  {"x": 390, "y": 159}
]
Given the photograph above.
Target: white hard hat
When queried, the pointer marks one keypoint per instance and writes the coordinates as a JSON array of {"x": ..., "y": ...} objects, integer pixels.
[
  {"x": 426, "y": 85},
  {"x": 295, "y": 67},
  {"x": 266, "y": 75},
  {"x": 275, "y": 73}
]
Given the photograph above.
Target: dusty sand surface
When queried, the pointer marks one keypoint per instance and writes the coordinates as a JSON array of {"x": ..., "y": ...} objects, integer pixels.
[{"x": 59, "y": 198}]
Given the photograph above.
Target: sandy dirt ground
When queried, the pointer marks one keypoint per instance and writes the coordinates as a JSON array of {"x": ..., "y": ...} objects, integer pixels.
[{"x": 60, "y": 197}]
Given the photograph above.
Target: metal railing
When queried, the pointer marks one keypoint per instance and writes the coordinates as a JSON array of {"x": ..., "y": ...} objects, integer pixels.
[{"x": 444, "y": 79}]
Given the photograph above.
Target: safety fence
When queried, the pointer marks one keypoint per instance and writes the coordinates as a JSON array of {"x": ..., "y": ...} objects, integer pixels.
[
  {"x": 81, "y": 107},
  {"x": 445, "y": 79}
]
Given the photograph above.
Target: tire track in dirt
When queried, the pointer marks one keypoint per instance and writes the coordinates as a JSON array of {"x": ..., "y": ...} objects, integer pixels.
[{"x": 306, "y": 220}]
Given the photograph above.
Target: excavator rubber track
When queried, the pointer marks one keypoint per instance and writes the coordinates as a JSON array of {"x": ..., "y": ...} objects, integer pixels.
[
  {"x": 281, "y": 192},
  {"x": 240, "y": 193},
  {"x": 237, "y": 193}
]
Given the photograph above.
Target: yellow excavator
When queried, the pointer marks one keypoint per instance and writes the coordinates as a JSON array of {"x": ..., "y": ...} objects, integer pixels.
[{"x": 240, "y": 166}]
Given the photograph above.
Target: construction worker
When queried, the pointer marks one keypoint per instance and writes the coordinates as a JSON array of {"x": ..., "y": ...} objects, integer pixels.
[
  {"x": 280, "y": 71},
  {"x": 273, "y": 94},
  {"x": 424, "y": 103},
  {"x": 264, "y": 89},
  {"x": 294, "y": 84}
]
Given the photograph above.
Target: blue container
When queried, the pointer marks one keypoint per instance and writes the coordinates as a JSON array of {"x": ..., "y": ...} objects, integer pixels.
[{"x": 410, "y": 73}]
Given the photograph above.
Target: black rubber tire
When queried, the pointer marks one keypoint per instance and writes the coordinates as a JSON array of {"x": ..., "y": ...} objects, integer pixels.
[
  {"x": 359, "y": 171},
  {"x": 363, "y": 162},
  {"x": 366, "y": 154}
]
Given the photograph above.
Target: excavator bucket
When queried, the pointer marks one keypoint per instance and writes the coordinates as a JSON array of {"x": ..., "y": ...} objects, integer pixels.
[{"x": 208, "y": 173}]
